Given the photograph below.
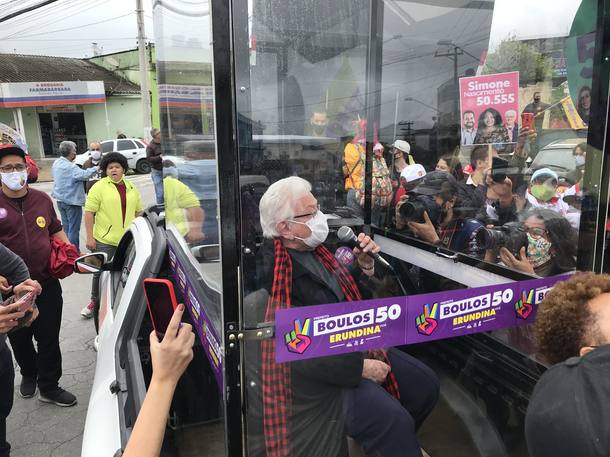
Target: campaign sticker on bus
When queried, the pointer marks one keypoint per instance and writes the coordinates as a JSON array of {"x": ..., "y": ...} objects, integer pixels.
[
  {"x": 317, "y": 331},
  {"x": 337, "y": 328},
  {"x": 461, "y": 312},
  {"x": 489, "y": 107}
]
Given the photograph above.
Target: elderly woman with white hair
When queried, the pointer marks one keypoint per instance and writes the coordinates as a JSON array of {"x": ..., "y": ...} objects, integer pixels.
[
  {"x": 69, "y": 191},
  {"x": 310, "y": 406}
]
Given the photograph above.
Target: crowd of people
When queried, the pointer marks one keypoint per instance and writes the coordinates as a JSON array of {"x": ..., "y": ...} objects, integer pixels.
[
  {"x": 29, "y": 229},
  {"x": 484, "y": 209},
  {"x": 475, "y": 201}
]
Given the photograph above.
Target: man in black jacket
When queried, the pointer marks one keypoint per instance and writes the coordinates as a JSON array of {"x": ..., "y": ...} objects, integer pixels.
[
  {"x": 379, "y": 398},
  {"x": 14, "y": 278}
]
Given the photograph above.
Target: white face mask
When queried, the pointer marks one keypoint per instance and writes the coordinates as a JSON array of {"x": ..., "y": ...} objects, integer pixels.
[
  {"x": 580, "y": 161},
  {"x": 15, "y": 180},
  {"x": 96, "y": 155},
  {"x": 319, "y": 230}
]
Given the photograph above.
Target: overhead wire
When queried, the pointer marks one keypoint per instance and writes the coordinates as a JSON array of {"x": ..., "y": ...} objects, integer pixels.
[
  {"x": 75, "y": 28},
  {"x": 43, "y": 20},
  {"x": 25, "y": 10},
  {"x": 36, "y": 16}
]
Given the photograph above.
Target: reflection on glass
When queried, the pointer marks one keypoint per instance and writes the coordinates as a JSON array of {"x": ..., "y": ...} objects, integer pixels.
[
  {"x": 186, "y": 98},
  {"x": 481, "y": 139}
]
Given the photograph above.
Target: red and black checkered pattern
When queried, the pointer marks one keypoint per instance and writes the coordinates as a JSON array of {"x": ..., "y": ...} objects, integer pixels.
[{"x": 277, "y": 385}]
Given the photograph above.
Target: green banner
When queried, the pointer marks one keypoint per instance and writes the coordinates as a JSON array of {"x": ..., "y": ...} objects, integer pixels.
[{"x": 580, "y": 49}]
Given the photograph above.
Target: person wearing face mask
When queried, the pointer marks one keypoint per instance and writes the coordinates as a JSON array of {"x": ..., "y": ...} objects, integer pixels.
[
  {"x": 542, "y": 193},
  {"x": 69, "y": 191},
  {"x": 580, "y": 156},
  {"x": 337, "y": 395},
  {"x": 401, "y": 157},
  {"x": 112, "y": 204},
  {"x": 94, "y": 159},
  {"x": 318, "y": 125},
  {"x": 449, "y": 217},
  {"x": 28, "y": 221},
  {"x": 551, "y": 245}
]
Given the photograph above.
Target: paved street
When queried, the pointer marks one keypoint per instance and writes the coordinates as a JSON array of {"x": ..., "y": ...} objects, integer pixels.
[{"x": 37, "y": 429}]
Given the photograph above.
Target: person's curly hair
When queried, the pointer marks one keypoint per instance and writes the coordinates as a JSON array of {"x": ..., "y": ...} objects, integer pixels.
[{"x": 565, "y": 322}]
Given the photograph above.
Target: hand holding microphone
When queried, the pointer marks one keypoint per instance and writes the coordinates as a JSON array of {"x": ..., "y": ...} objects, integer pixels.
[{"x": 363, "y": 246}]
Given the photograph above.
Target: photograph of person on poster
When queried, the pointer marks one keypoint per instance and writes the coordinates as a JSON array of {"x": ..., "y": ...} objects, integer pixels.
[{"x": 490, "y": 128}]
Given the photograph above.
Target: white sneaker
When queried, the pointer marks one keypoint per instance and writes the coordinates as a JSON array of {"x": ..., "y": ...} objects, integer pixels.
[
  {"x": 96, "y": 342},
  {"x": 87, "y": 311}
]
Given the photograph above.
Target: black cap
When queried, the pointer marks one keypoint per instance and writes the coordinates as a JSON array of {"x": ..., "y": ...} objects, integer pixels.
[
  {"x": 11, "y": 150},
  {"x": 432, "y": 183},
  {"x": 569, "y": 411}
]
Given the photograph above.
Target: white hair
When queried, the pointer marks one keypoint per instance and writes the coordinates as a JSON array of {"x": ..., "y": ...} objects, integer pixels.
[
  {"x": 510, "y": 111},
  {"x": 277, "y": 203}
]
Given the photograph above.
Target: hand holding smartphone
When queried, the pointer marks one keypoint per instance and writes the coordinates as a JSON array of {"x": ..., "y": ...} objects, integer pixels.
[
  {"x": 23, "y": 304},
  {"x": 499, "y": 169},
  {"x": 527, "y": 120},
  {"x": 161, "y": 301}
]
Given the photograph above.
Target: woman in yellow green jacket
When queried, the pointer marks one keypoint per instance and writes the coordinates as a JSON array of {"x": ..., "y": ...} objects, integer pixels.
[{"x": 111, "y": 205}]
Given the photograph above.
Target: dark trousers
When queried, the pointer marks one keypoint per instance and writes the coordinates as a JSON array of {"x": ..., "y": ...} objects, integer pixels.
[
  {"x": 95, "y": 283},
  {"x": 71, "y": 216},
  {"x": 387, "y": 427},
  {"x": 7, "y": 380},
  {"x": 46, "y": 364}
]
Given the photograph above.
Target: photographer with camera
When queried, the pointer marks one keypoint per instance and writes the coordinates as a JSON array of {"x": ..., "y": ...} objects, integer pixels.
[
  {"x": 438, "y": 211},
  {"x": 543, "y": 243}
]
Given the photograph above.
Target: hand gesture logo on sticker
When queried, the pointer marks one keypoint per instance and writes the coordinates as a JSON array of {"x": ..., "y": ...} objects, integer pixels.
[
  {"x": 426, "y": 322},
  {"x": 298, "y": 340},
  {"x": 524, "y": 306}
]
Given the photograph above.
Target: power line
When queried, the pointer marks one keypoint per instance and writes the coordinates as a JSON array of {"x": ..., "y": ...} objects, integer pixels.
[
  {"x": 73, "y": 28},
  {"x": 26, "y": 10},
  {"x": 73, "y": 39},
  {"x": 40, "y": 20}
]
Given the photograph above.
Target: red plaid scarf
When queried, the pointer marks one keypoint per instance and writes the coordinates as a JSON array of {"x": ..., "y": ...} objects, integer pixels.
[{"x": 277, "y": 383}]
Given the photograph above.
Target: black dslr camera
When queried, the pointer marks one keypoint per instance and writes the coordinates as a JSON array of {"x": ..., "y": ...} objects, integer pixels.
[
  {"x": 413, "y": 209},
  {"x": 511, "y": 235}
]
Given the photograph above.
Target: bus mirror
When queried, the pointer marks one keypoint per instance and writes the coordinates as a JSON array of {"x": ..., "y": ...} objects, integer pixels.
[
  {"x": 90, "y": 263},
  {"x": 206, "y": 253}
]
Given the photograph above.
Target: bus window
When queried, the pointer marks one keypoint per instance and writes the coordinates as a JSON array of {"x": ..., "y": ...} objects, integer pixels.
[
  {"x": 190, "y": 189},
  {"x": 457, "y": 132}
]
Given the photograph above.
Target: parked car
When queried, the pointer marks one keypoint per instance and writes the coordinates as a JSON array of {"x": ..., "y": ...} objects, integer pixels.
[
  {"x": 134, "y": 150},
  {"x": 558, "y": 157}
]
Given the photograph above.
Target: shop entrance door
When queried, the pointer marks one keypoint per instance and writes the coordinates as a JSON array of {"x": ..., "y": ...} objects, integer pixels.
[{"x": 58, "y": 127}]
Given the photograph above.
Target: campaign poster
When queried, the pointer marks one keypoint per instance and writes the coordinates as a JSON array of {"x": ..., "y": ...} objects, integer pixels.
[
  {"x": 462, "y": 312},
  {"x": 489, "y": 108},
  {"x": 337, "y": 328},
  {"x": 202, "y": 324}
]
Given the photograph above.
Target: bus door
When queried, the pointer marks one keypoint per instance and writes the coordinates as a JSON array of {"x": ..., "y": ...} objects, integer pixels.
[
  {"x": 184, "y": 69},
  {"x": 495, "y": 105}
]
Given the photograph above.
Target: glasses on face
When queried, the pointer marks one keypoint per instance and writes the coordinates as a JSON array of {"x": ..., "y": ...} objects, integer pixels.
[
  {"x": 311, "y": 215},
  {"x": 95, "y": 149},
  {"x": 536, "y": 232},
  {"x": 10, "y": 168}
]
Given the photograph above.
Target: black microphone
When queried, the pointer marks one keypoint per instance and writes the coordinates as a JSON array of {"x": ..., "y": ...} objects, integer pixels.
[{"x": 347, "y": 236}]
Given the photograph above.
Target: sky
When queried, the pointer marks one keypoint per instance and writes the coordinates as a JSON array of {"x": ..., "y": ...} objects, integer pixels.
[{"x": 68, "y": 27}]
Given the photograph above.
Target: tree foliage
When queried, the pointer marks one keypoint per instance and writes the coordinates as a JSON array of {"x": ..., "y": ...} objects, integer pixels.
[{"x": 513, "y": 55}]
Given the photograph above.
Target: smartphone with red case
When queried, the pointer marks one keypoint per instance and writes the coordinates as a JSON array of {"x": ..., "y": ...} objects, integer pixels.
[
  {"x": 161, "y": 301},
  {"x": 527, "y": 120}
]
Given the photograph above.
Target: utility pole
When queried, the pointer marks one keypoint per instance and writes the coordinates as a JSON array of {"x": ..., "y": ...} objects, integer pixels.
[
  {"x": 453, "y": 55},
  {"x": 144, "y": 82}
]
